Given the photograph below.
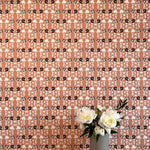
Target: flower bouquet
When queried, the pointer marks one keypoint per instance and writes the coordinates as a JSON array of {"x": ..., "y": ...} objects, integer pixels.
[{"x": 100, "y": 122}]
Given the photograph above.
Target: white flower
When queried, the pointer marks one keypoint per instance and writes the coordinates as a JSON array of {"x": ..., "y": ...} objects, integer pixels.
[
  {"x": 99, "y": 130},
  {"x": 102, "y": 132},
  {"x": 82, "y": 127},
  {"x": 114, "y": 114},
  {"x": 100, "y": 107},
  {"x": 85, "y": 115},
  {"x": 107, "y": 122},
  {"x": 108, "y": 130}
]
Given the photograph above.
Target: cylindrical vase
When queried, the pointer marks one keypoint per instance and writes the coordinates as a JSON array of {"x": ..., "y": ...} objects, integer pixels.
[{"x": 101, "y": 144}]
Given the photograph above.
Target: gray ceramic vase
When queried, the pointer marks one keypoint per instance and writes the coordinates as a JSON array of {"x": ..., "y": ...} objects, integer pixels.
[{"x": 101, "y": 144}]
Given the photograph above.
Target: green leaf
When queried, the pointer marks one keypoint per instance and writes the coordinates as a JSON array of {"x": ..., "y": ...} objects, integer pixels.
[
  {"x": 86, "y": 129},
  {"x": 86, "y": 124},
  {"x": 121, "y": 104},
  {"x": 125, "y": 101},
  {"x": 118, "y": 124},
  {"x": 97, "y": 137},
  {"x": 113, "y": 132},
  {"x": 118, "y": 105},
  {"x": 91, "y": 131},
  {"x": 83, "y": 134},
  {"x": 119, "y": 112},
  {"x": 98, "y": 114}
]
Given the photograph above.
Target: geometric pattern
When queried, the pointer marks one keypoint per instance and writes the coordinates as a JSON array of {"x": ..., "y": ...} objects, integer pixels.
[{"x": 57, "y": 55}]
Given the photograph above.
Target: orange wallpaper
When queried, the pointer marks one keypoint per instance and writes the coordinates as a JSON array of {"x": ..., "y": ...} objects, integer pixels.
[{"x": 59, "y": 54}]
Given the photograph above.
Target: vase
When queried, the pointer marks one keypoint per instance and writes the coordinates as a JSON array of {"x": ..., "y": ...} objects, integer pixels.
[{"x": 101, "y": 144}]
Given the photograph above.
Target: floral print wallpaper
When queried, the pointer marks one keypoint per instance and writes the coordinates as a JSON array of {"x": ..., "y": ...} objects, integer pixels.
[{"x": 57, "y": 55}]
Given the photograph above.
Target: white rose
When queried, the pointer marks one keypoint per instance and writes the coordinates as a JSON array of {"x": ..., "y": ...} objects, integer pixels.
[
  {"x": 102, "y": 132},
  {"x": 108, "y": 130},
  {"x": 85, "y": 115},
  {"x": 99, "y": 130},
  {"x": 107, "y": 121},
  {"x": 100, "y": 107},
  {"x": 114, "y": 114}
]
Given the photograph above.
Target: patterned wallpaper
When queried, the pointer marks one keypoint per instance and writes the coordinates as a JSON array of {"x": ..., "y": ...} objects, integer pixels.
[{"x": 59, "y": 54}]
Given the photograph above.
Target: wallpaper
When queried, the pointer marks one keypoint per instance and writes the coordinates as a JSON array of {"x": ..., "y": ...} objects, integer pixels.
[{"x": 57, "y": 55}]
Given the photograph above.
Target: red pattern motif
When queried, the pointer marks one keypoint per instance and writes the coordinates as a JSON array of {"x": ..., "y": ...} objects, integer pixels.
[{"x": 59, "y": 54}]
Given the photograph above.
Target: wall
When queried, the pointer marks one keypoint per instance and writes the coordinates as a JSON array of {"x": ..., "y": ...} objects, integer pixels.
[{"x": 56, "y": 55}]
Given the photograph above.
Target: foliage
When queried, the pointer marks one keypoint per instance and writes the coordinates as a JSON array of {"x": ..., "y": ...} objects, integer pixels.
[{"x": 102, "y": 120}]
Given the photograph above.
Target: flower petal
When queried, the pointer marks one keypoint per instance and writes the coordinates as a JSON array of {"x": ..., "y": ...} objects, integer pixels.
[{"x": 108, "y": 130}]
